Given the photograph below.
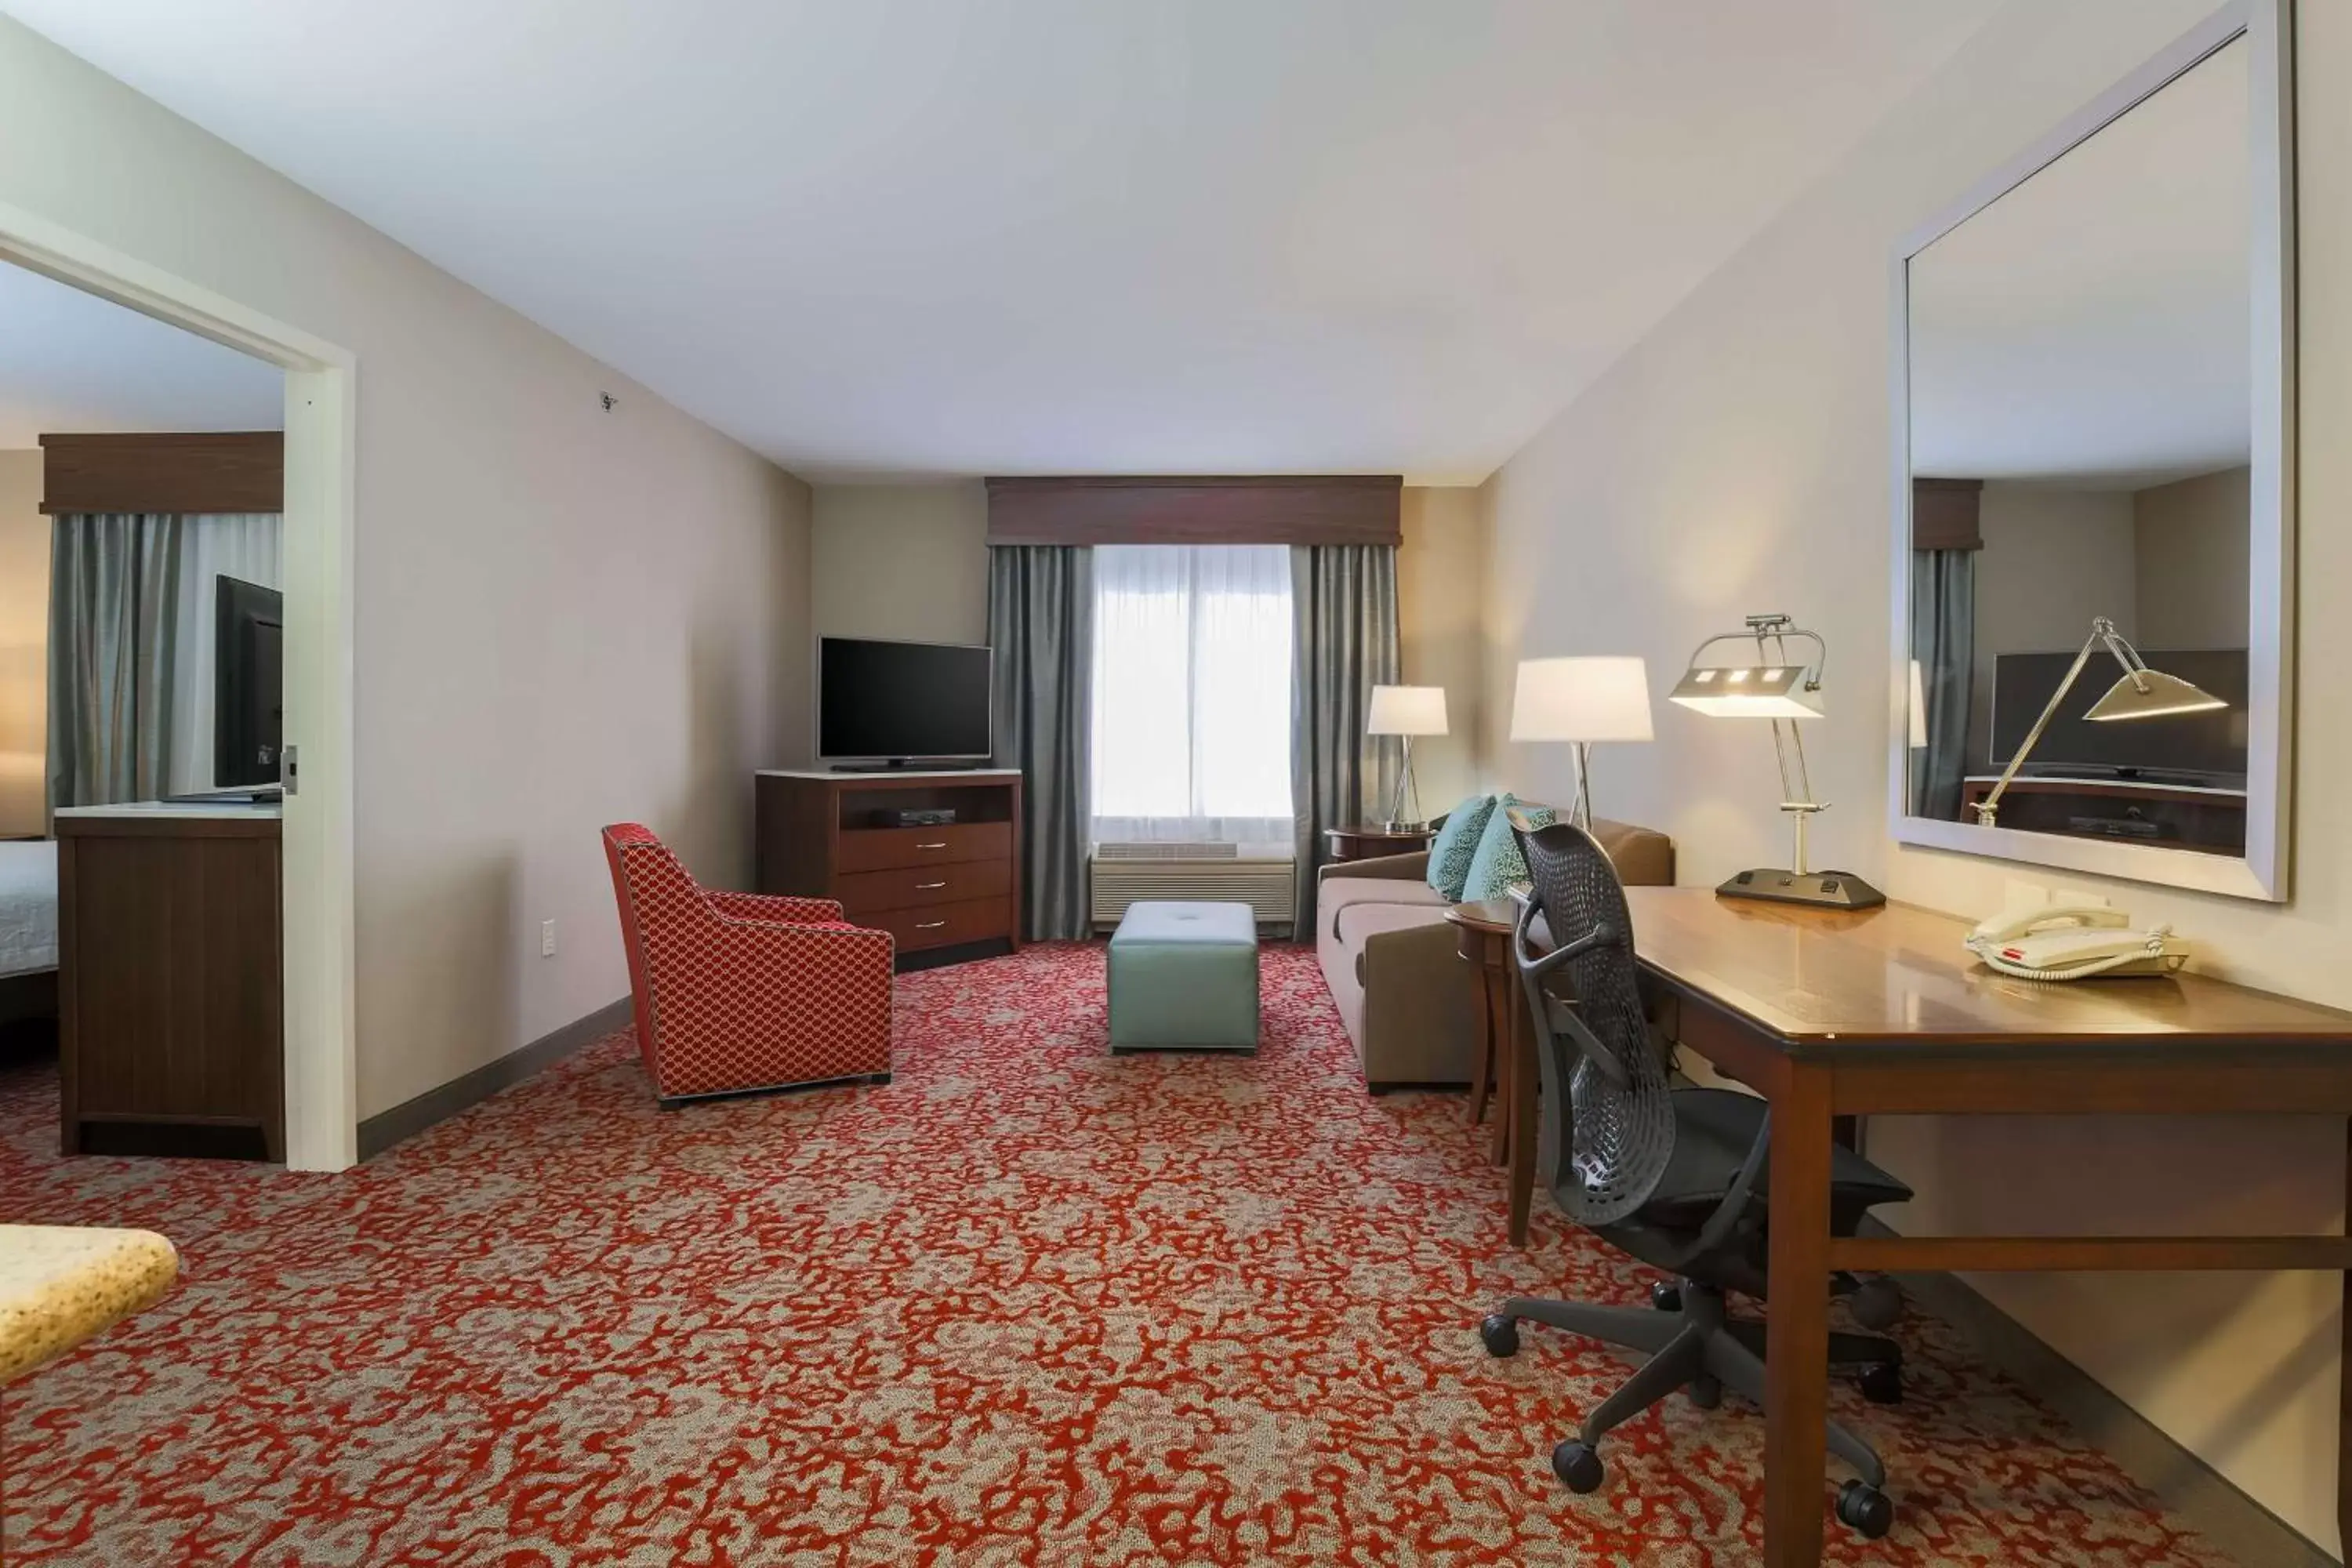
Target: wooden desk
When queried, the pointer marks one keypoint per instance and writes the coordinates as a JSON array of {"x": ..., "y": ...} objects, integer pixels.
[
  {"x": 1831, "y": 1013},
  {"x": 1507, "y": 1048}
]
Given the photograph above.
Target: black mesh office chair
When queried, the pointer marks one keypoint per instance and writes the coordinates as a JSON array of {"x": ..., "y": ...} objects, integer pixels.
[{"x": 1673, "y": 1176}]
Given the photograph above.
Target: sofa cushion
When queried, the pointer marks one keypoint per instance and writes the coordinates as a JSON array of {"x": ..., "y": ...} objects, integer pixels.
[
  {"x": 1338, "y": 895},
  {"x": 1351, "y": 922},
  {"x": 1457, "y": 843},
  {"x": 1498, "y": 862}
]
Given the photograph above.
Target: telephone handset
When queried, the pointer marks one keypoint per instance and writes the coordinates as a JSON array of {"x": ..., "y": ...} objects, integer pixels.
[{"x": 2074, "y": 941}]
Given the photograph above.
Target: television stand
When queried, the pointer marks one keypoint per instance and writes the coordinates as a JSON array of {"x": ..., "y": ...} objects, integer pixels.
[
  {"x": 945, "y": 891},
  {"x": 2204, "y": 817}
]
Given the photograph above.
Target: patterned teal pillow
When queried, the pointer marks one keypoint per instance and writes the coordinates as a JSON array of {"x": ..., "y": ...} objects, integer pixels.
[
  {"x": 1457, "y": 843},
  {"x": 1498, "y": 862}
]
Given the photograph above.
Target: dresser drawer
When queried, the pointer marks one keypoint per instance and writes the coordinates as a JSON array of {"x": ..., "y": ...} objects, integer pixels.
[
  {"x": 919, "y": 885},
  {"x": 941, "y": 925},
  {"x": 889, "y": 848}
]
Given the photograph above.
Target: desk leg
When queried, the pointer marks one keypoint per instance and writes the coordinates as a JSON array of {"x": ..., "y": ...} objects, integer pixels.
[
  {"x": 1499, "y": 1013},
  {"x": 1796, "y": 1338},
  {"x": 1522, "y": 1039}
]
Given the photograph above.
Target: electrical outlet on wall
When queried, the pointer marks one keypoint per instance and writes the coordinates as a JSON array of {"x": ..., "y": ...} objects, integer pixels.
[{"x": 547, "y": 938}]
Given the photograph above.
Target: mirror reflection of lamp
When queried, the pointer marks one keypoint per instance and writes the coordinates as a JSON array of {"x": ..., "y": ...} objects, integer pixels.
[{"x": 2139, "y": 693}]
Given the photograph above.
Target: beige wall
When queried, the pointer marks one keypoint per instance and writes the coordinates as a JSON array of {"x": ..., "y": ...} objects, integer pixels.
[
  {"x": 2192, "y": 546},
  {"x": 2052, "y": 559},
  {"x": 564, "y": 616},
  {"x": 1735, "y": 461},
  {"x": 901, "y": 561},
  {"x": 912, "y": 561},
  {"x": 24, "y": 643}
]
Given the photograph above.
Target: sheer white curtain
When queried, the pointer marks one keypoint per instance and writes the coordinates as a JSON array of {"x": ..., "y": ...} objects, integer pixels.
[
  {"x": 1192, "y": 693},
  {"x": 213, "y": 545}
]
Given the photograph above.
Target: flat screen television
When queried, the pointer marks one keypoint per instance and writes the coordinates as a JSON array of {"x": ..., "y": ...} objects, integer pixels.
[
  {"x": 249, "y": 689},
  {"x": 898, "y": 703},
  {"x": 2207, "y": 748}
]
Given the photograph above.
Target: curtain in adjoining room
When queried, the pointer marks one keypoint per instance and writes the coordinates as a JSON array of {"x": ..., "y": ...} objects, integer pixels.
[
  {"x": 1344, "y": 642},
  {"x": 1942, "y": 643},
  {"x": 1041, "y": 623},
  {"x": 114, "y": 583},
  {"x": 243, "y": 545}
]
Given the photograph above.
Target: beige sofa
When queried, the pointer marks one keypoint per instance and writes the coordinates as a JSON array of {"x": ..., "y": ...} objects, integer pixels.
[{"x": 1408, "y": 1001}]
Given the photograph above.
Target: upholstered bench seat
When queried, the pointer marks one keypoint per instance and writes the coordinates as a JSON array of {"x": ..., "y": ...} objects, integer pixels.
[{"x": 1183, "y": 976}]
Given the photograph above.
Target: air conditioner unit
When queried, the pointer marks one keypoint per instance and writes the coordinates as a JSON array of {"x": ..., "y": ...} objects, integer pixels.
[{"x": 1251, "y": 874}]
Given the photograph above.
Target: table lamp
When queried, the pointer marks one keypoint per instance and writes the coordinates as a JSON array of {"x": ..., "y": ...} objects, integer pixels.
[
  {"x": 2139, "y": 693},
  {"x": 1768, "y": 684},
  {"x": 1582, "y": 701},
  {"x": 1406, "y": 712}
]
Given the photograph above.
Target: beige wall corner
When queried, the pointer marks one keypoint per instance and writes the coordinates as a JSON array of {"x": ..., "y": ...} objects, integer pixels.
[
  {"x": 23, "y": 643},
  {"x": 901, "y": 561},
  {"x": 1440, "y": 604}
]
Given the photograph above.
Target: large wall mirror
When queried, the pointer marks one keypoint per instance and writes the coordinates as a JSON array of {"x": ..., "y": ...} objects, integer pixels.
[{"x": 2094, "y": 496}]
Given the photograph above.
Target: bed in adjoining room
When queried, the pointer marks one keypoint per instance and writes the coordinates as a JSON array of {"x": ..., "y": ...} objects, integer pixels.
[{"x": 28, "y": 932}]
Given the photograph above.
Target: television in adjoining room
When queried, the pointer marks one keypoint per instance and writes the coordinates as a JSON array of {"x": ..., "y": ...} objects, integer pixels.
[
  {"x": 248, "y": 683},
  {"x": 900, "y": 703}
]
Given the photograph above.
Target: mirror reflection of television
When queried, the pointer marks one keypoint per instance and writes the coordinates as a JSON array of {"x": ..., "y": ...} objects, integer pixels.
[
  {"x": 248, "y": 700},
  {"x": 898, "y": 702},
  {"x": 2207, "y": 748}
]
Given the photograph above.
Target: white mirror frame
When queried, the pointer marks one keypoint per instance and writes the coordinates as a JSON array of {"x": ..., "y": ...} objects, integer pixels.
[{"x": 2263, "y": 871}]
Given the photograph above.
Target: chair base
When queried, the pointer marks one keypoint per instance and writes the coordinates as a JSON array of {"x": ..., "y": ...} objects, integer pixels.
[
  {"x": 1692, "y": 1345},
  {"x": 679, "y": 1102}
]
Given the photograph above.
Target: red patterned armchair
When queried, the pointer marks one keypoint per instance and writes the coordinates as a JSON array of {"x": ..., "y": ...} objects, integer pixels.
[{"x": 736, "y": 991}]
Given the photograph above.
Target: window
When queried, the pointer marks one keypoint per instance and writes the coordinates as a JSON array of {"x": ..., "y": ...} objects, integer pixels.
[{"x": 1192, "y": 693}]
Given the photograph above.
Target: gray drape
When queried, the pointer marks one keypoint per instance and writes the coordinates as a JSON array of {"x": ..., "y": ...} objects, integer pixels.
[
  {"x": 115, "y": 582},
  {"x": 1944, "y": 641},
  {"x": 1343, "y": 604},
  {"x": 1041, "y": 621}
]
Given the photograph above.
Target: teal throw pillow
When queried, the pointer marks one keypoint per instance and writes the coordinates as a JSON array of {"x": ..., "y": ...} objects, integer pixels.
[
  {"x": 1498, "y": 863},
  {"x": 1450, "y": 854}
]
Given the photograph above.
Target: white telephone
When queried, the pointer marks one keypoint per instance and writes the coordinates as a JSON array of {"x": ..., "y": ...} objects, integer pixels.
[{"x": 2074, "y": 941}]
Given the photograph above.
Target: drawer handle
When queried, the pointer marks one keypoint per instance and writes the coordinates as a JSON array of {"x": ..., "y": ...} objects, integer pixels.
[
  {"x": 929, "y": 925},
  {"x": 940, "y": 845},
  {"x": 928, "y": 887}
]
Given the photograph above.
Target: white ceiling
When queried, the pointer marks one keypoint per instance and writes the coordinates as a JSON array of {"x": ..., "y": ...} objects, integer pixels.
[
  {"x": 2095, "y": 325},
  {"x": 72, "y": 364},
  {"x": 898, "y": 237}
]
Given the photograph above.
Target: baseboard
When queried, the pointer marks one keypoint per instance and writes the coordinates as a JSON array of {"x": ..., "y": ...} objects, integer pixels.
[
  {"x": 2243, "y": 1529},
  {"x": 410, "y": 1116}
]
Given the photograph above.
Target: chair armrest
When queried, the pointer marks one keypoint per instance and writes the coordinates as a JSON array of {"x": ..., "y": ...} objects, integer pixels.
[
  {"x": 1412, "y": 867},
  {"x": 772, "y": 908}
]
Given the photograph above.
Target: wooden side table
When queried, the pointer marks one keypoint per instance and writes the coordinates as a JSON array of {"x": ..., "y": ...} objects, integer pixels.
[
  {"x": 1366, "y": 842},
  {"x": 1507, "y": 1048}
]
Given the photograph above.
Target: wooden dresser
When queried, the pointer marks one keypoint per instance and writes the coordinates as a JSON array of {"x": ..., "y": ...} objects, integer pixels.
[
  {"x": 945, "y": 893},
  {"x": 169, "y": 1037}
]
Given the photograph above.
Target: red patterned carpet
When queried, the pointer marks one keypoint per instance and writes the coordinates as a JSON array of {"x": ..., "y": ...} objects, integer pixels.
[{"x": 1028, "y": 1304}]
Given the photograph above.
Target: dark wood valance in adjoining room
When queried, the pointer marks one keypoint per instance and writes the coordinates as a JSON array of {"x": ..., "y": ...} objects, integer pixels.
[
  {"x": 1943, "y": 514},
  {"x": 1345, "y": 509},
  {"x": 224, "y": 471}
]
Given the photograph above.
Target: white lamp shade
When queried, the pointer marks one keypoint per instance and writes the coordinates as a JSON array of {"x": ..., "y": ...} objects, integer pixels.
[
  {"x": 1603, "y": 697},
  {"x": 1407, "y": 711},
  {"x": 1918, "y": 708}
]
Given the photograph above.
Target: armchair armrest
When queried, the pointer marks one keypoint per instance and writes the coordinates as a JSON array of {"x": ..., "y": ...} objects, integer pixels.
[{"x": 772, "y": 908}]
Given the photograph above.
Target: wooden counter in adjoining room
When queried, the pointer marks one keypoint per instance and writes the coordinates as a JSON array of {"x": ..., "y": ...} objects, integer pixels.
[{"x": 171, "y": 1037}]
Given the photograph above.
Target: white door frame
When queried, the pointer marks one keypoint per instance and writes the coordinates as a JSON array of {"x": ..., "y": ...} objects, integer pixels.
[{"x": 321, "y": 451}]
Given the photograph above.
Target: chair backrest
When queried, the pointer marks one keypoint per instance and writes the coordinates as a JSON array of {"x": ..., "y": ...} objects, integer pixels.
[
  {"x": 659, "y": 900},
  {"x": 1608, "y": 1115}
]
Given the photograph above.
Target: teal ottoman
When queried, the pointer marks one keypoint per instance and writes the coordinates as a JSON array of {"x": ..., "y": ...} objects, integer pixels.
[{"x": 1184, "y": 976}]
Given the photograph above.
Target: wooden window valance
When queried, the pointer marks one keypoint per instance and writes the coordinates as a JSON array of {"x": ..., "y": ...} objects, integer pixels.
[
  {"x": 1296, "y": 509},
  {"x": 1943, "y": 514},
  {"x": 232, "y": 472}
]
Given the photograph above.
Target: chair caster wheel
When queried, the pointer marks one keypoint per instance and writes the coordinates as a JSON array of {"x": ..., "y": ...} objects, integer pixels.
[
  {"x": 1500, "y": 1334},
  {"x": 1864, "y": 1510},
  {"x": 1882, "y": 1382},
  {"x": 1666, "y": 1296},
  {"x": 1577, "y": 1465},
  {"x": 1876, "y": 1305},
  {"x": 1705, "y": 1392}
]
